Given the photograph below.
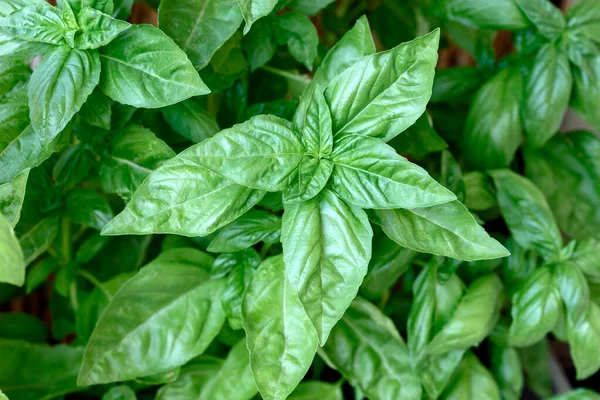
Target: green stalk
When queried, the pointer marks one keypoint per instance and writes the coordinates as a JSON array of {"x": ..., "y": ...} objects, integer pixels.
[{"x": 67, "y": 257}]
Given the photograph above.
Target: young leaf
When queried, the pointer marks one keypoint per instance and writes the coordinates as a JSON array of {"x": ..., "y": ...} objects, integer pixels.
[
  {"x": 12, "y": 195},
  {"x": 471, "y": 381},
  {"x": 547, "y": 94},
  {"x": 473, "y": 319},
  {"x": 493, "y": 129},
  {"x": 316, "y": 130},
  {"x": 190, "y": 120},
  {"x": 400, "y": 80},
  {"x": 183, "y": 198},
  {"x": 369, "y": 174},
  {"x": 573, "y": 289},
  {"x": 59, "y": 86},
  {"x": 199, "y": 27},
  {"x": 253, "y": 10},
  {"x": 12, "y": 266},
  {"x": 134, "y": 152},
  {"x": 39, "y": 22},
  {"x": 527, "y": 214},
  {"x": 448, "y": 229},
  {"x": 143, "y": 67},
  {"x": 367, "y": 349},
  {"x": 249, "y": 229},
  {"x": 485, "y": 14},
  {"x": 46, "y": 372},
  {"x": 281, "y": 338},
  {"x": 97, "y": 29},
  {"x": 535, "y": 309},
  {"x": 168, "y": 298},
  {"x": 300, "y": 35},
  {"x": 310, "y": 179},
  {"x": 508, "y": 371},
  {"x": 547, "y": 18},
  {"x": 325, "y": 273}
]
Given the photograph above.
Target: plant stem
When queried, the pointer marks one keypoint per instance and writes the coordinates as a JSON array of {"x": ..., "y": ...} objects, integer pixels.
[
  {"x": 384, "y": 300},
  {"x": 67, "y": 256},
  {"x": 264, "y": 250},
  {"x": 285, "y": 74},
  {"x": 92, "y": 279}
]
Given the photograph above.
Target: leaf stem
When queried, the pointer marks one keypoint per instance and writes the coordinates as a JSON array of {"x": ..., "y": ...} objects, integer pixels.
[
  {"x": 264, "y": 250},
  {"x": 67, "y": 256},
  {"x": 286, "y": 74},
  {"x": 94, "y": 281},
  {"x": 384, "y": 300}
]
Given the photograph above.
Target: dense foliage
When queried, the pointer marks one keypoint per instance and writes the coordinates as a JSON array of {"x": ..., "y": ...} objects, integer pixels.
[{"x": 285, "y": 199}]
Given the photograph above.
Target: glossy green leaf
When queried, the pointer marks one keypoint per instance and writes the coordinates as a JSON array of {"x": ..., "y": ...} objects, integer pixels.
[
  {"x": 536, "y": 363},
  {"x": 190, "y": 120},
  {"x": 508, "y": 371},
  {"x": 281, "y": 338},
  {"x": 547, "y": 94},
  {"x": 419, "y": 139},
  {"x": 422, "y": 311},
  {"x": 259, "y": 44},
  {"x": 448, "y": 229},
  {"x": 326, "y": 274},
  {"x": 199, "y": 27},
  {"x": 193, "y": 377},
  {"x": 545, "y": 16},
  {"x": 253, "y": 10},
  {"x": 584, "y": 340},
  {"x": 535, "y": 309},
  {"x": 586, "y": 82},
  {"x": 37, "y": 239},
  {"x": 143, "y": 67},
  {"x": 312, "y": 176},
  {"x": 493, "y": 128},
  {"x": 471, "y": 381},
  {"x": 226, "y": 66},
  {"x": 526, "y": 213},
  {"x": 237, "y": 282},
  {"x": 12, "y": 195},
  {"x": 316, "y": 130},
  {"x": 573, "y": 289},
  {"x": 300, "y": 35},
  {"x": 480, "y": 194},
  {"x": 49, "y": 371},
  {"x": 583, "y": 18},
  {"x": 38, "y": 273},
  {"x": 452, "y": 84},
  {"x": 38, "y": 22},
  {"x": 261, "y": 153},
  {"x": 97, "y": 29},
  {"x": 400, "y": 83},
  {"x": 105, "y": 6},
  {"x": 577, "y": 394},
  {"x": 369, "y": 174},
  {"x": 12, "y": 266},
  {"x": 249, "y": 229},
  {"x": 439, "y": 372},
  {"x": 485, "y": 14},
  {"x": 473, "y": 319},
  {"x": 87, "y": 207},
  {"x": 133, "y": 154},
  {"x": 13, "y": 71},
  {"x": 59, "y": 86},
  {"x": 309, "y": 390},
  {"x": 368, "y": 351},
  {"x": 73, "y": 166},
  {"x": 586, "y": 257},
  {"x": 122, "y": 392},
  {"x": 133, "y": 337}
]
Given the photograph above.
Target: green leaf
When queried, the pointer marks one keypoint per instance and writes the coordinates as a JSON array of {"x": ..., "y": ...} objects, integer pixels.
[
  {"x": 586, "y": 80},
  {"x": 419, "y": 139},
  {"x": 226, "y": 66},
  {"x": 253, "y": 10},
  {"x": 300, "y": 35},
  {"x": 310, "y": 390},
  {"x": 577, "y": 394},
  {"x": 584, "y": 340},
  {"x": 261, "y": 153},
  {"x": 547, "y": 94},
  {"x": 439, "y": 371},
  {"x": 105, "y": 6},
  {"x": 259, "y": 44},
  {"x": 586, "y": 257},
  {"x": 485, "y": 14},
  {"x": 480, "y": 194},
  {"x": 473, "y": 319},
  {"x": 325, "y": 273},
  {"x": 281, "y": 339},
  {"x": 453, "y": 84},
  {"x": 97, "y": 29},
  {"x": 39, "y": 22},
  {"x": 143, "y": 67},
  {"x": 39, "y": 273},
  {"x": 316, "y": 127},
  {"x": 422, "y": 311},
  {"x": 508, "y": 371},
  {"x": 87, "y": 207},
  {"x": 237, "y": 282},
  {"x": 448, "y": 229},
  {"x": 369, "y": 174},
  {"x": 193, "y": 377},
  {"x": 400, "y": 83},
  {"x": 368, "y": 351},
  {"x": 133, "y": 337},
  {"x": 37, "y": 239},
  {"x": 312, "y": 176},
  {"x": 12, "y": 195},
  {"x": 97, "y": 111},
  {"x": 59, "y": 86},
  {"x": 13, "y": 71},
  {"x": 12, "y": 266},
  {"x": 190, "y": 120},
  {"x": 535, "y": 309},
  {"x": 134, "y": 152},
  {"x": 536, "y": 363},
  {"x": 199, "y": 27},
  {"x": 45, "y": 373},
  {"x": 545, "y": 16},
  {"x": 527, "y": 214},
  {"x": 122, "y": 392},
  {"x": 73, "y": 166},
  {"x": 493, "y": 129},
  {"x": 249, "y": 229},
  {"x": 471, "y": 381},
  {"x": 583, "y": 18},
  {"x": 573, "y": 289},
  {"x": 388, "y": 263}
]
